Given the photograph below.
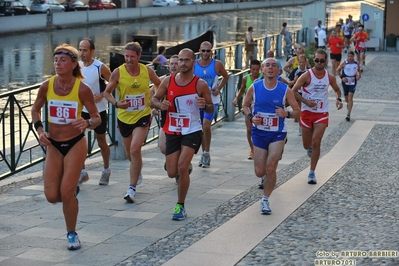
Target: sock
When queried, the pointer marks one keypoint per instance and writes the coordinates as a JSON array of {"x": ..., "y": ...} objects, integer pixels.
[
  {"x": 311, "y": 171},
  {"x": 83, "y": 171},
  {"x": 132, "y": 187},
  {"x": 182, "y": 204},
  {"x": 206, "y": 152},
  {"x": 265, "y": 198}
]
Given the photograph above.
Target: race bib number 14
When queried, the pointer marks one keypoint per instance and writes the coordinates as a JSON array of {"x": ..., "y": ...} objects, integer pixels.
[{"x": 179, "y": 122}]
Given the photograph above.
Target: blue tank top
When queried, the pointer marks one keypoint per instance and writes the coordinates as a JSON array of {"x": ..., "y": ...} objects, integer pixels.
[
  {"x": 207, "y": 73},
  {"x": 265, "y": 103}
]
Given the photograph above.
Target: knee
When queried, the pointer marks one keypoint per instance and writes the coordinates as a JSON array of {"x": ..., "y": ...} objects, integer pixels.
[
  {"x": 316, "y": 143},
  {"x": 52, "y": 197},
  {"x": 206, "y": 125}
]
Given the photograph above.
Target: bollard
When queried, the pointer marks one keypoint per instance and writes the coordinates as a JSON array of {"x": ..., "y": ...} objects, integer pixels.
[{"x": 231, "y": 93}]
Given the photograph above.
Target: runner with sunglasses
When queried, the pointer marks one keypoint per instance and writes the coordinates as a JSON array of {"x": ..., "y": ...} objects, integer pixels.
[
  {"x": 209, "y": 69},
  {"x": 314, "y": 117}
]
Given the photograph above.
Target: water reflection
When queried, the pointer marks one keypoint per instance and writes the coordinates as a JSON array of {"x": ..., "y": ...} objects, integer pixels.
[{"x": 26, "y": 59}]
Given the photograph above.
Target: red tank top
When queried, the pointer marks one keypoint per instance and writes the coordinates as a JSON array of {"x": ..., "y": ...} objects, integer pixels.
[{"x": 183, "y": 115}]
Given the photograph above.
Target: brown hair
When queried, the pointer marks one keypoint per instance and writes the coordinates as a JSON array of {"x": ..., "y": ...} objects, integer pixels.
[{"x": 73, "y": 53}]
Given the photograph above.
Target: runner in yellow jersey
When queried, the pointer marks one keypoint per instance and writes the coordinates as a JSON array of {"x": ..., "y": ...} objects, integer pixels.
[{"x": 132, "y": 81}]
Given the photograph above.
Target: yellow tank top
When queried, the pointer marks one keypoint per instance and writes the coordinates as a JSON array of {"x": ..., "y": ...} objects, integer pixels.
[
  {"x": 63, "y": 109},
  {"x": 296, "y": 63},
  {"x": 136, "y": 91}
]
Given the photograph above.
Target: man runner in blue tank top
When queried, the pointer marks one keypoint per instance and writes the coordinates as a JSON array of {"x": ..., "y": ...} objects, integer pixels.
[
  {"x": 269, "y": 131},
  {"x": 209, "y": 69}
]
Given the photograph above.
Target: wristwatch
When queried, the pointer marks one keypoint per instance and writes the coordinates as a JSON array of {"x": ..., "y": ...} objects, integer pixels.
[{"x": 90, "y": 122}]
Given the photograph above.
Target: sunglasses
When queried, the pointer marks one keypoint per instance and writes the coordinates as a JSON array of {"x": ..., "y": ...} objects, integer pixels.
[
  {"x": 321, "y": 61},
  {"x": 206, "y": 51},
  {"x": 184, "y": 60}
]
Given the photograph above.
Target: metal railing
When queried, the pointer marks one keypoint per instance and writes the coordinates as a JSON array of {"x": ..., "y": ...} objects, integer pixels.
[{"x": 19, "y": 141}]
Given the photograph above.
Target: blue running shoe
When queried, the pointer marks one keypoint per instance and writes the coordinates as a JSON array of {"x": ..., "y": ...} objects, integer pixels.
[
  {"x": 312, "y": 178},
  {"x": 179, "y": 213},
  {"x": 264, "y": 207},
  {"x": 73, "y": 240},
  {"x": 309, "y": 152}
]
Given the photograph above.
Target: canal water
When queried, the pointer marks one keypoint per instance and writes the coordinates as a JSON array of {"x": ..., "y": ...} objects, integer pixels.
[{"x": 26, "y": 59}]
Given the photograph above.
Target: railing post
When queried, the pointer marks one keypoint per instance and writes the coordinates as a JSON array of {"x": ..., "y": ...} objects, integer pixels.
[
  {"x": 12, "y": 134},
  {"x": 238, "y": 57},
  {"x": 231, "y": 92},
  {"x": 119, "y": 150},
  {"x": 222, "y": 55},
  {"x": 266, "y": 47},
  {"x": 279, "y": 43}
]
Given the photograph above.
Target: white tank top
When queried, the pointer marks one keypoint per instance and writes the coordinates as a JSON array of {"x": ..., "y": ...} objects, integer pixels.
[
  {"x": 317, "y": 90},
  {"x": 92, "y": 78}
]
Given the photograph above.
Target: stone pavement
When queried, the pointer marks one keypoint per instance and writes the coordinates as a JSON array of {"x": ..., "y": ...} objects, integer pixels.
[{"x": 354, "y": 206}]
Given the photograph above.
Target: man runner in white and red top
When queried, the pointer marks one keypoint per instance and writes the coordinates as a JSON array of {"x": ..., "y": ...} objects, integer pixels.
[
  {"x": 185, "y": 95},
  {"x": 314, "y": 116}
]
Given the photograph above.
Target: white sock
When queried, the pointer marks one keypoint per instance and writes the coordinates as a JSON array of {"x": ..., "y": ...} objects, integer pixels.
[{"x": 106, "y": 170}]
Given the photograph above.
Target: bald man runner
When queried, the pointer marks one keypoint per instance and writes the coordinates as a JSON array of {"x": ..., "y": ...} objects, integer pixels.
[{"x": 268, "y": 116}]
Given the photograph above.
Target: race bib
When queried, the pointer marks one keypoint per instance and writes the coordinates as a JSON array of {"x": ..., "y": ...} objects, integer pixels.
[
  {"x": 270, "y": 122},
  {"x": 351, "y": 81},
  {"x": 319, "y": 103},
  {"x": 62, "y": 112},
  {"x": 179, "y": 122},
  {"x": 136, "y": 102},
  {"x": 362, "y": 44}
]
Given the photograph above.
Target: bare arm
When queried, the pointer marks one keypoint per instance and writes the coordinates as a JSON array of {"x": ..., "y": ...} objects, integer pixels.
[
  {"x": 36, "y": 113},
  {"x": 222, "y": 72},
  {"x": 87, "y": 99},
  {"x": 241, "y": 91},
  {"x": 111, "y": 86},
  {"x": 302, "y": 81},
  {"x": 340, "y": 67},
  {"x": 159, "y": 94},
  {"x": 288, "y": 65},
  {"x": 290, "y": 98},
  {"x": 334, "y": 85},
  {"x": 154, "y": 79},
  {"x": 249, "y": 96},
  {"x": 205, "y": 100},
  {"x": 105, "y": 72}
]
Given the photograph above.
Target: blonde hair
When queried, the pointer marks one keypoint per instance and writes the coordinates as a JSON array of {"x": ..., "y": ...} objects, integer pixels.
[{"x": 73, "y": 54}]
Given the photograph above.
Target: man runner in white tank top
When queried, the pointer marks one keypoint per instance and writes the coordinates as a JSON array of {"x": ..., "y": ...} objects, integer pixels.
[{"x": 314, "y": 116}]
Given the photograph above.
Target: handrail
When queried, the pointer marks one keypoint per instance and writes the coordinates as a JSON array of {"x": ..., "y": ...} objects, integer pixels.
[{"x": 19, "y": 142}]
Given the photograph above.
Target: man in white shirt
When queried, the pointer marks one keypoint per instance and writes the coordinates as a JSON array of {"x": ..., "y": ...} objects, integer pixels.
[
  {"x": 316, "y": 33},
  {"x": 322, "y": 38}
]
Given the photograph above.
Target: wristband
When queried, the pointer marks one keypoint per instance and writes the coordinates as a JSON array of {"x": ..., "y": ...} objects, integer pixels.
[
  {"x": 38, "y": 124},
  {"x": 250, "y": 116},
  {"x": 206, "y": 106},
  {"x": 288, "y": 114},
  {"x": 116, "y": 104},
  {"x": 339, "y": 99}
]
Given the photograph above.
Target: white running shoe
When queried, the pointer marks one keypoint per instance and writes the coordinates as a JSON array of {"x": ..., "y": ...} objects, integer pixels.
[
  {"x": 129, "y": 197},
  {"x": 104, "y": 180},
  {"x": 84, "y": 177}
]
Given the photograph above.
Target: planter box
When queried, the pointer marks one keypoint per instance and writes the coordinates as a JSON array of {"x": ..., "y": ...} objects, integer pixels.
[{"x": 373, "y": 43}]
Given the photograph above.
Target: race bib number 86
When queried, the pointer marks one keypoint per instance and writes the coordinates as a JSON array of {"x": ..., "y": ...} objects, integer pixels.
[{"x": 62, "y": 112}]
